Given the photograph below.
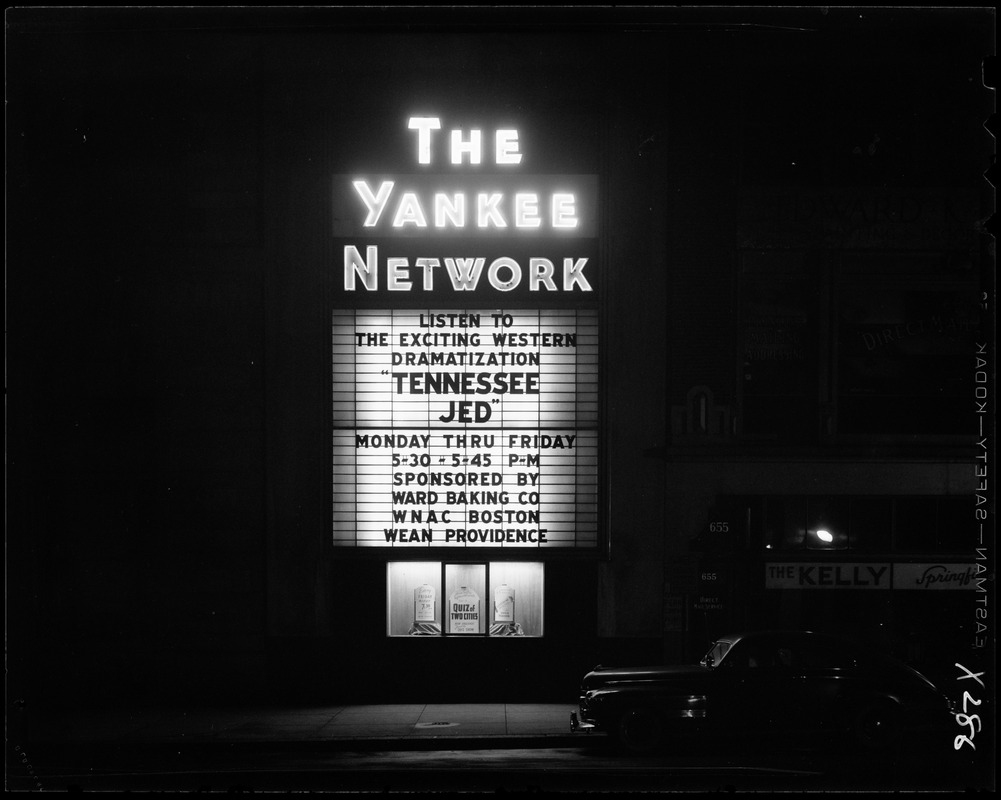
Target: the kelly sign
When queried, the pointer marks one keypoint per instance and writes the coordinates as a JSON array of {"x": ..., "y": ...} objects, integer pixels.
[
  {"x": 473, "y": 212},
  {"x": 905, "y": 576},
  {"x": 827, "y": 576}
]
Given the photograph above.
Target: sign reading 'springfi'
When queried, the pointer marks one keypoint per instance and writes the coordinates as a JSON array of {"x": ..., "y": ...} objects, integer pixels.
[{"x": 481, "y": 198}]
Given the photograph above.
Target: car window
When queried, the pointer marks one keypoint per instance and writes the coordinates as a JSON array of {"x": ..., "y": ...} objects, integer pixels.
[
  {"x": 807, "y": 654},
  {"x": 716, "y": 653},
  {"x": 786, "y": 654},
  {"x": 748, "y": 656},
  {"x": 823, "y": 654},
  {"x": 758, "y": 655}
]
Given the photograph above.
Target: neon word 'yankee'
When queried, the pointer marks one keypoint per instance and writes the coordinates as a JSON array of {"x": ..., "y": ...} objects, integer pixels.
[
  {"x": 471, "y": 204},
  {"x": 456, "y": 210}
]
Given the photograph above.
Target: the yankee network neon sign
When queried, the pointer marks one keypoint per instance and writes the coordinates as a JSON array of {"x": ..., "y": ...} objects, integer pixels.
[
  {"x": 462, "y": 425},
  {"x": 466, "y": 203}
]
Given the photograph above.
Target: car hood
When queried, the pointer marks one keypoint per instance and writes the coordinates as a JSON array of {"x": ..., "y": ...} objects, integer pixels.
[{"x": 605, "y": 676}]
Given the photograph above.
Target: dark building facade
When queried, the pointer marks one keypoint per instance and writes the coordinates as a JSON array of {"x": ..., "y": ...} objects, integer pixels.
[{"x": 788, "y": 396}]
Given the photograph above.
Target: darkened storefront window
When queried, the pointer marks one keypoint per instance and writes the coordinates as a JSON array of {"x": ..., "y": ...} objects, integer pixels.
[
  {"x": 839, "y": 346},
  {"x": 904, "y": 345},
  {"x": 932, "y": 524},
  {"x": 779, "y": 359},
  {"x": 871, "y": 524}
]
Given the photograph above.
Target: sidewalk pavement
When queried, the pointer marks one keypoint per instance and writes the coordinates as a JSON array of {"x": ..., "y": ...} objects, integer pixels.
[{"x": 401, "y": 725}]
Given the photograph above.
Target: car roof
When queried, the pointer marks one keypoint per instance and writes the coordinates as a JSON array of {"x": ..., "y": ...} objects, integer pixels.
[{"x": 733, "y": 638}]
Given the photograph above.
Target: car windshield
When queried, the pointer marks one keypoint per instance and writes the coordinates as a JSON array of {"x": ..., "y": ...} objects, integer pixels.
[{"x": 716, "y": 653}]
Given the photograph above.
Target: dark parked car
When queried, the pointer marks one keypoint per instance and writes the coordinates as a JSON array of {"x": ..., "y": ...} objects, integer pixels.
[{"x": 755, "y": 684}]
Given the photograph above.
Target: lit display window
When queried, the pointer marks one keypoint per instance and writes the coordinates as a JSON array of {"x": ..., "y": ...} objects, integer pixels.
[{"x": 496, "y": 600}]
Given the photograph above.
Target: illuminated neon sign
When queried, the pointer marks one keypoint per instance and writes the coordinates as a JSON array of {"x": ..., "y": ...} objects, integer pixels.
[
  {"x": 486, "y": 209},
  {"x": 501, "y": 206},
  {"x": 456, "y": 426},
  {"x": 506, "y": 151}
]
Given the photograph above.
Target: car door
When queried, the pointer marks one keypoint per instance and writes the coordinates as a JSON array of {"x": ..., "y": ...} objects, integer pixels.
[
  {"x": 752, "y": 687},
  {"x": 825, "y": 677},
  {"x": 799, "y": 685}
]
